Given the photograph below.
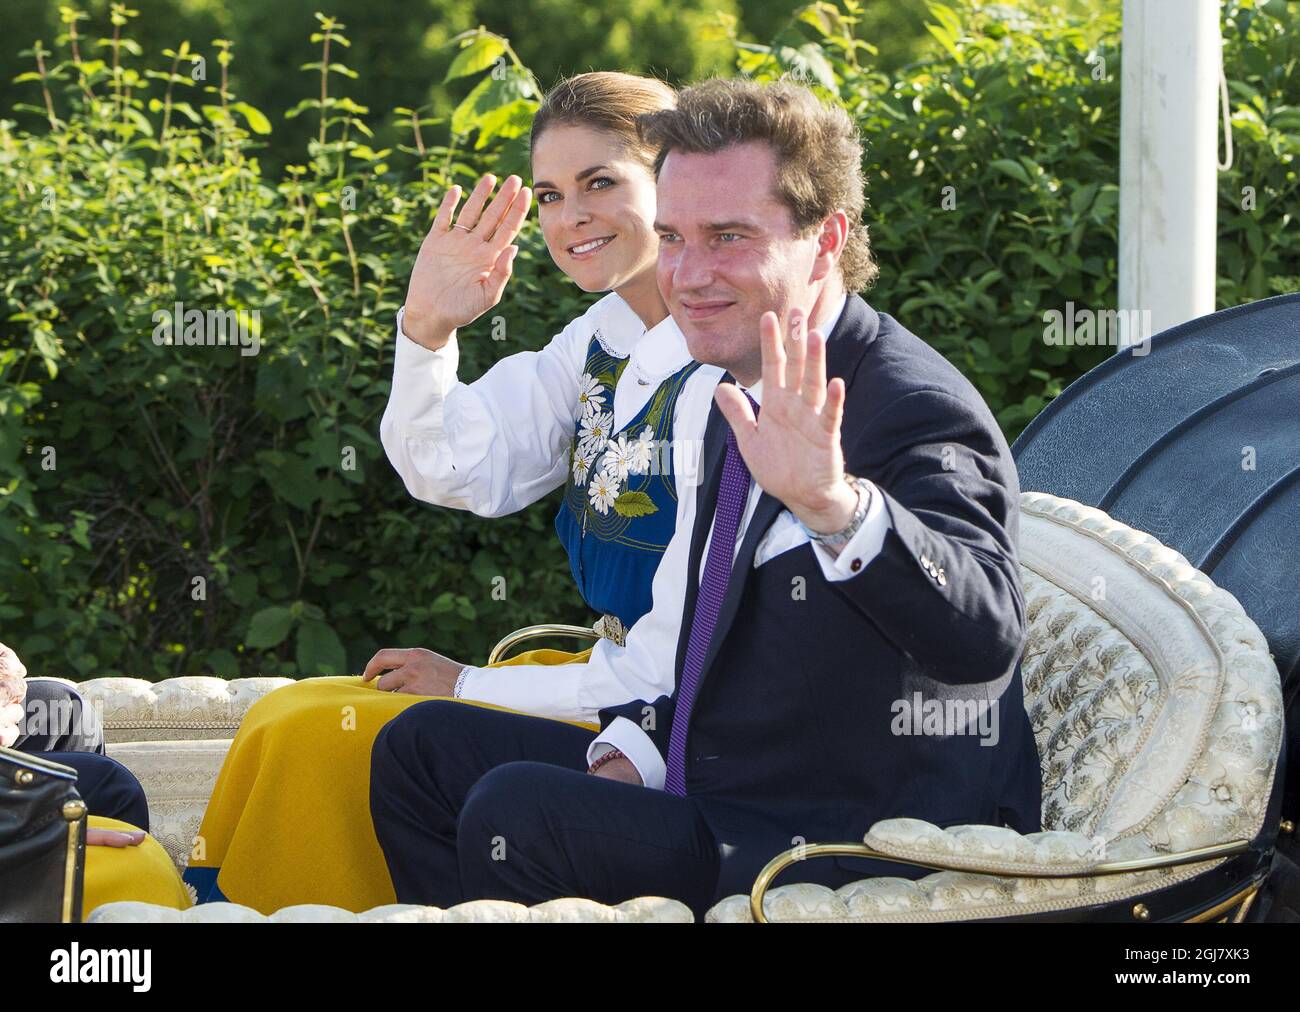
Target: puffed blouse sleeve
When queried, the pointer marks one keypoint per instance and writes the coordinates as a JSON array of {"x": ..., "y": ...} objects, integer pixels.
[{"x": 492, "y": 446}]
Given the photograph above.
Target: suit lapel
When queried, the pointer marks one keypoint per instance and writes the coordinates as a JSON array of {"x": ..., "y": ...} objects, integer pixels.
[{"x": 856, "y": 330}]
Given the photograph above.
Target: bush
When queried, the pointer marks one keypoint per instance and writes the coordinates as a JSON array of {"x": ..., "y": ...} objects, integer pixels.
[
  {"x": 993, "y": 176},
  {"x": 173, "y": 510}
]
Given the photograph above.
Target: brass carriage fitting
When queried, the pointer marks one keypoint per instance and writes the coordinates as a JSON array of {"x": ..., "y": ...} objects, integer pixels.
[
  {"x": 1141, "y": 912},
  {"x": 74, "y": 811},
  {"x": 1287, "y": 827},
  {"x": 24, "y": 777}
]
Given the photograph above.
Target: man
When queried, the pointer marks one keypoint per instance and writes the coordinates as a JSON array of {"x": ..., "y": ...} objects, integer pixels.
[{"x": 851, "y": 566}]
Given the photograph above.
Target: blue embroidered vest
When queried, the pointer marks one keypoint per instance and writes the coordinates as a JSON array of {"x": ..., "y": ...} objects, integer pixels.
[{"x": 620, "y": 503}]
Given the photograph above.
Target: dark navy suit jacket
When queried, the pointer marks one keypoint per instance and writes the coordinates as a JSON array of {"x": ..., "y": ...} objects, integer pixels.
[{"x": 803, "y": 726}]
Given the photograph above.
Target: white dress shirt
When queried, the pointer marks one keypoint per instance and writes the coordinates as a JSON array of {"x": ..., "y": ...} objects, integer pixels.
[
  {"x": 500, "y": 443},
  {"x": 644, "y": 667}
]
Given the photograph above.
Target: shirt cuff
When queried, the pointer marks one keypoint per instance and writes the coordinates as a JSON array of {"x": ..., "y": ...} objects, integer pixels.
[
  {"x": 439, "y": 365},
  {"x": 864, "y": 546},
  {"x": 549, "y": 690},
  {"x": 634, "y": 743}
]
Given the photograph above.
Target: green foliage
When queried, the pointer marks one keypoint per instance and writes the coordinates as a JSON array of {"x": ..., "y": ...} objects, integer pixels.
[
  {"x": 993, "y": 172},
  {"x": 402, "y": 46},
  {"x": 171, "y": 509},
  {"x": 1259, "y": 236},
  {"x": 128, "y": 469}
]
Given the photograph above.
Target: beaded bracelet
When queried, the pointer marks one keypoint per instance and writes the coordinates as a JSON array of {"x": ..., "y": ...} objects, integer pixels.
[{"x": 611, "y": 754}]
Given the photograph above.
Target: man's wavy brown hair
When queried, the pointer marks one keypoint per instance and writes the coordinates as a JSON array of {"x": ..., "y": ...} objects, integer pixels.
[{"x": 817, "y": 147}]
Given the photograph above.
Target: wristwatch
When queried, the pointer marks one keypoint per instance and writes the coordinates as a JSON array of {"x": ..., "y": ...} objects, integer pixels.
[{"x": 838, "y": 539}]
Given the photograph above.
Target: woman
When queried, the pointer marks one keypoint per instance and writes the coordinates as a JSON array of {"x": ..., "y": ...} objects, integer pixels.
[{"x": 289, "y": 820}]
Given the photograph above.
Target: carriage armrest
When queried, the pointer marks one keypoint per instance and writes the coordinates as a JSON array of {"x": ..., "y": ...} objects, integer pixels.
[
  {"x": 992, "y": 850},
  {"x": 536, "y": 632}
]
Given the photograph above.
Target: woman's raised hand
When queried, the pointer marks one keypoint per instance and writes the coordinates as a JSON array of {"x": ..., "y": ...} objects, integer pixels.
[{"x": 465, "y": 260}]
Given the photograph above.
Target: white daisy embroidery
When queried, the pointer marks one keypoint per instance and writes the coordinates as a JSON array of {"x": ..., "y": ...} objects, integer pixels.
[
  {"x": 591, "y": 395},
  {"x": 581, "y": 467},
  {"x": 595, "y": 433},
  {"x": 642, "y": 451},
  {"x": 603, "y": 491},
  {"x": 618, "y": 457}
]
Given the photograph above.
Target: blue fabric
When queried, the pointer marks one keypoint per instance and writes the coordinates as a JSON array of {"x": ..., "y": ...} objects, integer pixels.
[
  {"x": 615, "y": 542},
  {"x": 204, "y": 881}
]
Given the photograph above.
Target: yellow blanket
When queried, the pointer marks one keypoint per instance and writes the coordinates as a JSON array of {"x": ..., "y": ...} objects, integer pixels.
[
  {"x": 289, "y": 818},
  {"x": 144, "y": 873}
]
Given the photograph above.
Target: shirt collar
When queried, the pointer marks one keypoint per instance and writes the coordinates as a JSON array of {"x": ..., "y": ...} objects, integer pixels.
[
  {"x": 656, "y": 352},
  {"x": 834, "y": 322},
  {"x": 620, "y": 328},
  {"x": 661, "y": 351}
]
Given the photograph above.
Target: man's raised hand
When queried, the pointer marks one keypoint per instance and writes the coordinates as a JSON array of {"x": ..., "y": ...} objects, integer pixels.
[
  {"x": 465, "y": 260},
  {"x": 793, "y": 449}
]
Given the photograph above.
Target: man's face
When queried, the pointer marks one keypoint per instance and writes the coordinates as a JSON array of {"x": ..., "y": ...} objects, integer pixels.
[{"x": 728, "y": 252}]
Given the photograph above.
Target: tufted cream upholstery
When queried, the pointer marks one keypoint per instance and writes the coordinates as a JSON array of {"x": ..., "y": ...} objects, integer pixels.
[
  {"x": 1158, "y": 716},
  {"x": 1153, "y": 698},
  {"x": 178, "y": 777},
  {"x": 192, "y": 708}
]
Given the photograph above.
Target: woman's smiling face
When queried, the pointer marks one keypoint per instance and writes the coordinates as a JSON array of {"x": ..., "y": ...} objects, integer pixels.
[{"x": 596, "y": 206}]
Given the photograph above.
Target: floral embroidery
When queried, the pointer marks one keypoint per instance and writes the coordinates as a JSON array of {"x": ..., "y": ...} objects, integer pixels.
[
  {"x": 642, "y": 451},
  {"x": 603, "y": 492},
  {"x": 604, "y": 463},
  {"x": 618, "y": 457},
  {"x": 581, "y": 467},
  {"x": 590, "y": 396},
  {"x": 595, "y": 433}
]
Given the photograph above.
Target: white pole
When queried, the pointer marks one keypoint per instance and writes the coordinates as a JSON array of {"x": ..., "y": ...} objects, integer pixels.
[{"x": 1167, "y": 163}]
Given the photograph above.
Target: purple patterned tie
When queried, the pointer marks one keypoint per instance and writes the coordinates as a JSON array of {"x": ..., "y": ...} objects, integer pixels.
[{"x": 732, "y": 496}]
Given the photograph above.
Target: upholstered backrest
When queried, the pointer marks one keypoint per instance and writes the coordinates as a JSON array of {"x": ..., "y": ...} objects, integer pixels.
[
  {"x": 189, "y": 708},
  {"x": 1155, "y": 706}
]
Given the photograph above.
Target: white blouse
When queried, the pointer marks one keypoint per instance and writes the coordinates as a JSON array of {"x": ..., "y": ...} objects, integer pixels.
[{"x": 500, "y": 443}]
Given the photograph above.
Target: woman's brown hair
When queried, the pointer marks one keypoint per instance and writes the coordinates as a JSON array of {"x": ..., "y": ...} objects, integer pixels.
[{"x": 608, "y": 101}]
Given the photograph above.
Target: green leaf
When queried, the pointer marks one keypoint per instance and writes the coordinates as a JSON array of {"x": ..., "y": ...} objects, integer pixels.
[
  {"x": 484, "y": 568},
  {"x": 257, "y": 121},
  {"x": 320, "y": 652},
  {"x": 634, "y": 504},
  {"x": 268, "y": 628},
  {"x": 477, "y": 56},
  {"x": 243, "y": 588},
  {"x": 222, "y": 663},
  {"x": 490, "y": 93},
  {"x": 510, "y": 120},
  {"x": 1013, "y": 169}
]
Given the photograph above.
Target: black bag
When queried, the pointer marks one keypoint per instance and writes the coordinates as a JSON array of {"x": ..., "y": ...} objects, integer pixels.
[{"x": 42, "y": 840}]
